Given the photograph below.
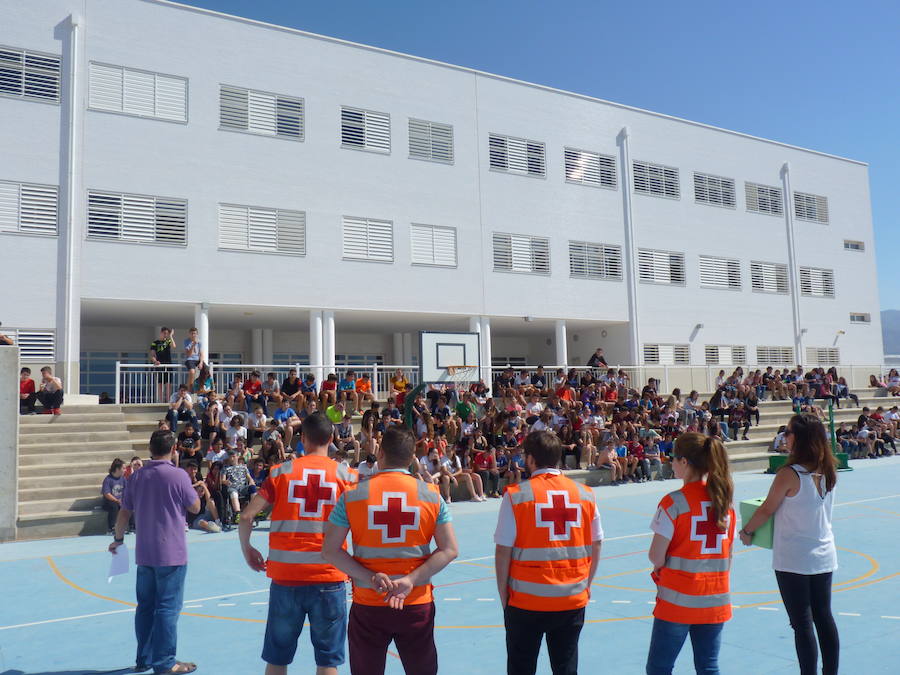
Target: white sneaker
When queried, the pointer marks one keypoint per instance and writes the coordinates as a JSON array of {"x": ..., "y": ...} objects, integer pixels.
[{"x": 213, "y": 527}]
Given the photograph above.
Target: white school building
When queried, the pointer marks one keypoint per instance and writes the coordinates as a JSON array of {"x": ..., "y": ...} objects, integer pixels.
[{"x": 303, "y": 199}]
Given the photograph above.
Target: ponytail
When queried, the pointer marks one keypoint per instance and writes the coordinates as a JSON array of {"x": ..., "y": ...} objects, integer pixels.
[{"x": 707, "y": 457}]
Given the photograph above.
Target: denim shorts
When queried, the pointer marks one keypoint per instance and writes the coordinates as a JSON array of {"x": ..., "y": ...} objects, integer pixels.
[{"x": 289, "y": 606}]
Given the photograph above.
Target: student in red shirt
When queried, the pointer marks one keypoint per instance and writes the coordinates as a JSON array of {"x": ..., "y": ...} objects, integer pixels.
[
  {"x": 328, "y": 393},
  {"x": 26, "y": 392},
  {"x": 486, "y": 467},
  {"x": 253, "y": 392}
]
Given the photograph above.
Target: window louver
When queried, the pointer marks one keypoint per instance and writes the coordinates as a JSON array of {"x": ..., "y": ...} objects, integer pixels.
[
  {"x": 823, "y": 356},
  {"x": 725, "y": 355},
  {"x": 714, "y": 190},
  {"x": 260, "y": 229},
  {"x": 260, "y": 112},
  {"x": 365, "y": 129},
  {"x": 521, "y": 253},
  {"x": 140, "y": 218},
  {"x": 720, "y": 273},
  {"x": 667, "y": 355},
  {"x": 34, "y": 345},
  {"x": 591, "y": 260},
  {"x": 368, "y": 239},
  {"x": 774, "y": 356},
  {"x": 764, "y": 199},
  {"x": 656, "y": 180},
  {"x": 516, "y": 155},
  {"x": 430, "y": 140},
  {"x": 590, "y": 168},
  {"x": 29, "y": 75},
  {"x": 137, "y": 92},
  {"x": 816, "y": 282},
  {"x": 432, "y": 245},
  {"x": 28, "y": 208},
  {"x": 809, "y": 207},
  {"x": 768, "y": 277},
  {"x": 660, "y": 267}
]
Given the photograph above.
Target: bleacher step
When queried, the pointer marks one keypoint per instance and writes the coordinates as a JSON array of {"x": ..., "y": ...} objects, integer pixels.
[
  {"x": 81, "y": 489},
  {"x": 45, "y": 506},
  {"x": 73, "y": 438},
  {"x": 55, "y": 524}
]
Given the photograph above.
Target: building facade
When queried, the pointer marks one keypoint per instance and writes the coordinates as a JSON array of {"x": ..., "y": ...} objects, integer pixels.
[{"x": 313, "y": 200}]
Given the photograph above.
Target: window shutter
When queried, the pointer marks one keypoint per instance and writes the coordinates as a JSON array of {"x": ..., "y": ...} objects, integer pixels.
[
  {"x": 28, "y": 208},
  {"x": 9, "y": 207},
  {"x": 768, "y": 277},
  {"x": 660, "y": 267},
  {"x": 233, "y": 108},
  {"x": 594, "y": 261},
  {"x": 260, "y": 229},
  {"x": 430, "y": 140},
  {"x": 651, "y": 353},
  {"x": 516, "y": 155},
  {"x": 725, "y": 355},
  {"x": 823, "y": 356},
  {"x": 35, "y": 345},
  {"x": 433, "y": 245},
  {"x": 233, "y": 227},
  {"x": 656, "y": 180},
  {"x": 138, "y": 218},
  {"x": 141, "y": 218},
  {"x": 589, "y": 168},
  {"x": 774, "y": 355},
  {"x": 105, "y": 87},
  {"x": 502, "y": 252},
  {"x": 29, "y": 75},
  {"x": 720, "y": 273},
  {"x": 171, "y": 98},
  {"x": 292, "y": 232},
  {"x": 104, "y": 215},
  {"x": 289, "y": 120},
  {"x": 816, "y": 282},
  {"x": 714, "y": 190},
  {"x": 521, "y": 253},
  {"x": 137, "y": 92},
  {"x": 171, "y": 221},
  {"x": 667, "y": 355},
  {"x": 764, "y": 199},
  {"x": 811, "y": 207},
  {"x": 368, "y": 239},
  {"x": 366, "y": 129},
  {"x": 261, "y": 113}
]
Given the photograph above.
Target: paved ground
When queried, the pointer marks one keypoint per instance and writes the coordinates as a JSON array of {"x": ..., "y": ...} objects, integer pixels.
[{"x": 59, "y": 615}]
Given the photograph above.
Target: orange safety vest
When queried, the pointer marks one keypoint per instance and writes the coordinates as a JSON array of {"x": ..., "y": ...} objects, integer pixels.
[
  {"x": 693, "y": 585},
  {"x": 551, "y": 556},
  {"x": 306, "y": 490},
  {"x": 392, "y": 520}
]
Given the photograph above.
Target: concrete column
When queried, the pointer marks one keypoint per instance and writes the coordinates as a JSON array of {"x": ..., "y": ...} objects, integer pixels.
[
  {"x": 407, "y": 349},
  {"x": 398, "y": 349},
  {"x": 793, "y": 270},
  {"x": 630, "y": 252},
  {"x": 9, "y": 460},
  {"x": 328, "y": 343},
  {"x": 486, "y": 350},
  {"x": 562, "y": 348},
  {"x": 201, "y": 321},
  {"x": 71, "y": 221},
  {"x": 316, "y": 358},
  {"x": 256, "y": 346},
  {"x": 268, "y": 354}
]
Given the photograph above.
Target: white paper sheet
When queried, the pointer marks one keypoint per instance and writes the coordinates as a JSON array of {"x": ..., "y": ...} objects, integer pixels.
[{"x": 119, "y": 563}]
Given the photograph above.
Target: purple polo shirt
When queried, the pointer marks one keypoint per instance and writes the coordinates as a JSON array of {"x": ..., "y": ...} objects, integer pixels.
[{"x": 159, "y": 494}]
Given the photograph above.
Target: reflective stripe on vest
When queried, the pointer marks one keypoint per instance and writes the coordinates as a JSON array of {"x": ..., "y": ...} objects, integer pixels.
[
  {"x": 525, "y": 493},
  {"x": 287, "y": 467},
  {"x": 698, "y": 565},
  {"x": 693, "y": 601},
  {"x": 297, "y": 557},
  {"x": 548, "y": 590},
  {"x": 679, "y": 505},
  {"x": 344, "y": 474},
  {"x": 551, "y": 553},
  {"x": 308, "y": 526},
  {"x": 395, "y": 553},
  {"x": 358, "y": 494}
]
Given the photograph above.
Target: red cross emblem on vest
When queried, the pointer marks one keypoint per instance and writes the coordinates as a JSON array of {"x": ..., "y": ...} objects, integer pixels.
[
  {"x": 312, "y": 492},
  {"x": 705, "y": 529},
  {"x": 558, "y": 515},
  {"x": 393, "y": 517}
]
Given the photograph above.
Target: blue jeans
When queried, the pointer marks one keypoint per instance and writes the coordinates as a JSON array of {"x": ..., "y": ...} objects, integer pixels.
[
  {"x": 289, "y": 606},
  {"x": 160, "y": 591},
  {"x": 668, "y": 638}
]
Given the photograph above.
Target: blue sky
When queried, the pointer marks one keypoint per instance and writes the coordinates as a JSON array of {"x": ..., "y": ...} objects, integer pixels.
[{"x": 821, "y": 75}]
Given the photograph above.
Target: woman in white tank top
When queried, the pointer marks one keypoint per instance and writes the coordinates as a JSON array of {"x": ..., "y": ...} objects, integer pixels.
[{"x": 803, "y": 551}]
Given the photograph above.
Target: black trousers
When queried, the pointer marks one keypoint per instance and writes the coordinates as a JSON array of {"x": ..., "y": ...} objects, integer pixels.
[
  {"x": 51, "y": 399},
  {"x": 525, "y": 630},
  {"x": 112, "y": 513},
  {"x": 490, "y": 481},
  {"x": 807, "y": 599},
  {"x": 26, "y": 405}
]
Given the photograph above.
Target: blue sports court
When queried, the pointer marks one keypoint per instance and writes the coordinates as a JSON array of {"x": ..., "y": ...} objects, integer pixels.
[{"x": 61, "y": 617}]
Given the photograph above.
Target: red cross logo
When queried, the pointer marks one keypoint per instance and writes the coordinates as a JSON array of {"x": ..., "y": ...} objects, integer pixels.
[
  {"x": 558, "y": 515},
  {"x": 393, "y": 517},
  {"x": 706, "y": 530},
  {"x": 312, "y": 493}
]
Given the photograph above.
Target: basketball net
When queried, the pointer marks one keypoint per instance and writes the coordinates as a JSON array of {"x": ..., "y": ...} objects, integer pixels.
[{"x": 461, "y": 376}]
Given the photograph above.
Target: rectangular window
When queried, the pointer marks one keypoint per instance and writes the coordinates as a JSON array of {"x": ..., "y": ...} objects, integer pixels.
[
  {"x": 590, "y": 260},
  {"x": 28, "y": 208},
  {"x": 720, "y": 273},
  {"x": 860, "y": 317},
  {"x": 430, "y": 140},
  {"x": 850, "y": 245},
  {"x": 368, "y": 239},
  {"x": 768, "y": 277},
  {"x": 660, "y": 267},
  {"x": 817, "y": 283},
  {"x": 516, "y": 155},
  {"x": 809, "y": 207},
  {"x": 365, "y": 130},
  {"x": 259, "y": 229},
  {"x": 521, "y": 253},
  {"x": 764, "y": 199},
  {"x": 656, "y": 180},
  {"x": 433, "y": 245},
  {"x": 667, "y": 355},
  {"x": 714, "y": 190},
  {"x": 823, "y": 356},
  {"x": 590, "y": 168},
  {"x": 774, "y": 356},
  {"x": 141, "y": 218},
  {"x": 29, "y": 75},
  {"x": 34, "y": 345},
  {"x": 137, "y": 92},
  {"x": 261, "y": 112},
  {"x": 725, "y": 355}
]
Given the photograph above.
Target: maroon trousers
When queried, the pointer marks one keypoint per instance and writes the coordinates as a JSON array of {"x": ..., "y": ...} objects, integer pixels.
[{"x": 371, "y": 630}]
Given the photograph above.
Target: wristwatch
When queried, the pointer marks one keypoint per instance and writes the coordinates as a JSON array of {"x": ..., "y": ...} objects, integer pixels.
[
  {"x": 118, "y": 541},
  {"x": 744, "y": 531}
]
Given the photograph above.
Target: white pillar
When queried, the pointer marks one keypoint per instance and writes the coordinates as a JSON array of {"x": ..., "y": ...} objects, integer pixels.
[
  {"x": 630, "y": 261},
  {"x": 562, "y": 348},
  {"x": 9, "y": 456},
  {"x": 316, "y": 357},
  {"x": 793, "y": 271},
  {"x": 486, "y": 350},
  {"x": 328, "y": 344},
  {"x": 201, "y": 321},
  {"x": 268, "y": 354},
  {"x": 398, "y": 349},
  {"x": 407, "y": 349},
  {"x": 256, "y": 346}
]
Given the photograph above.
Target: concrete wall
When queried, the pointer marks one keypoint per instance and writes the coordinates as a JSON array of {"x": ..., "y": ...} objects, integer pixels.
[{"x": 9, "y": 436}]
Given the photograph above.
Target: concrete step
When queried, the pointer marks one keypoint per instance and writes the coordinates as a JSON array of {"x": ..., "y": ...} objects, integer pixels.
[
  {"x": 60, "y": 446},
  {"x": 45, "y": 506},
  {"x": 84, "y": 488},
  {"x": 73, "y": 438},
  {"x": 89, "y": 456},
  {"x": 55, "y": 524},
  {"x": 42, "y": 471},
  {"x": 73, "y": 477},
  {"x": 78, "y": 409},
  {"x": 47, "y": 420},
  {"x": 68, "y": 426}
]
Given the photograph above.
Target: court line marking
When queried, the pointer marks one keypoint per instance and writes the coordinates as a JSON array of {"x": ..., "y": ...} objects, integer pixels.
[
  {"x": 844, "y": 613},
  {"x": 226, "y": 604},
  {"x": 768, "y": 609},
  {"x": 891, "y": 617}
]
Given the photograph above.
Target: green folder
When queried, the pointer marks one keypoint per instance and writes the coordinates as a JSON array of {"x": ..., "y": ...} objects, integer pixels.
[{"x": 763, "y": 536}]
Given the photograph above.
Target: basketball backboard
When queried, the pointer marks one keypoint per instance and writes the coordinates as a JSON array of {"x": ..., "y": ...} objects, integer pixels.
[{"x": 457, "y": 351}]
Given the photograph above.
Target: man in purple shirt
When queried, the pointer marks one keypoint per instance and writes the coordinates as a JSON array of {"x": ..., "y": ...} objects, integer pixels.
[{"x": 159, "y": 495}]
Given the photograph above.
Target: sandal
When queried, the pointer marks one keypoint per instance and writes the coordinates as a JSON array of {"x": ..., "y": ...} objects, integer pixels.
[{"x": 181, "y": 667}]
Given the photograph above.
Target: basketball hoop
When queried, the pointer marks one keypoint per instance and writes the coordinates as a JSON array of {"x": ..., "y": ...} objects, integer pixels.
[{"x": 462, "y": 375}]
